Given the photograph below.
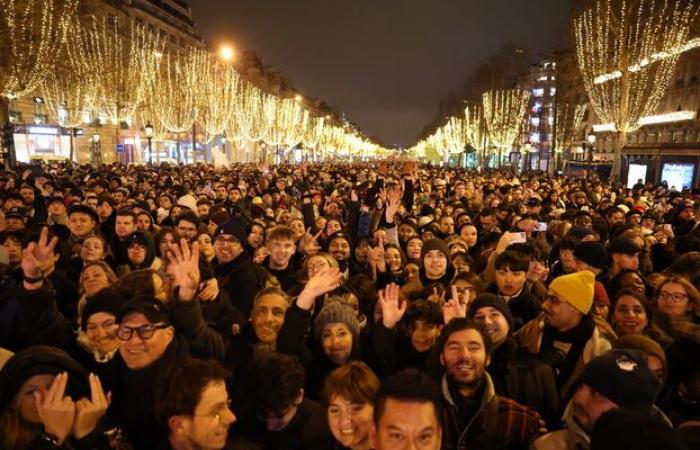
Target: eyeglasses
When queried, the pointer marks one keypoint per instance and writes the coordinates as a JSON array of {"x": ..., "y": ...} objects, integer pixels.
[
  {"x": 554, "y": 300},
  {"x": 217, "y": 414},
  {"x": 145, "y": 332},
  {"x": 675, "y": 297},
  {"x": 225, "y": 240}
]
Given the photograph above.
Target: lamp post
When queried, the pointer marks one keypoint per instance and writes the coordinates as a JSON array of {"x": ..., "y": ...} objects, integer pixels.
[
  {"x": 149, "y": 135},
  {"x": 528, "y": 149},
  {"x": 591, "y": 146},
  {"x": 96, "y": 156}
]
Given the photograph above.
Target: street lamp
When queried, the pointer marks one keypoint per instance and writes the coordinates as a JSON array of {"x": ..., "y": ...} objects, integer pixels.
[
  {"x": 227, "y": 53},
  {"x": 149, "y": 135},
  {"x": 528, "y": 162},
  {"x": 96, "y": 156},
  {"x": 591, "y": 146}
]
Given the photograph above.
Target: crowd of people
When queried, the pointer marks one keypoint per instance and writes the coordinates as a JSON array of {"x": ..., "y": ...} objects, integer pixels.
[{"x": 385, "y": 305}]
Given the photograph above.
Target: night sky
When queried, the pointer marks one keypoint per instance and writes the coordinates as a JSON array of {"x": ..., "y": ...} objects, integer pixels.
[{"x": 385, "y": 63}]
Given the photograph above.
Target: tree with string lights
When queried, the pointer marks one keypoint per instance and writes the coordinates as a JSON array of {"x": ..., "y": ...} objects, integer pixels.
[
  {"x": 569, "y": 119},
  {"x": 475, "y": 128},
  {"x": 627, "y": 52},
  {"x": 32, "y": 33},
  {"x": 504, "y": 110},
  {"x": 125, "y": 60}
]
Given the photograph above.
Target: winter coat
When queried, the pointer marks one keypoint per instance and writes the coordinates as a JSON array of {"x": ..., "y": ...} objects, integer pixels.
[
  {"x": 499, "y": 423},
  {"x": 243, "y": 279},
  {"x": 529, "y": 337},
  {"x": 524, "y": 307},
  {"x": 134, "y": 395},
  {"x": 570, "y": 438},
  {"x": 521, "y": 377}
]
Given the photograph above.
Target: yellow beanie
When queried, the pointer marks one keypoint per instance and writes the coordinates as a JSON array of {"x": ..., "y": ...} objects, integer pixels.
[{"x": 576, "y": 288}]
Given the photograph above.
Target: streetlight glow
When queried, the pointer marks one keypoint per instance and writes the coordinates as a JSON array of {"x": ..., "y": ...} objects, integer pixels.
[{"x": 227, "y": 53}]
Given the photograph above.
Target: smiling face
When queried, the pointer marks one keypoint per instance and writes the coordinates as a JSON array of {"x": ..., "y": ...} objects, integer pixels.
[
  {"x": 435, "y": 264},
  {"x": 464, "y": 357},
  {"x": 336, "y": 341},
  {"x": 350, "y": 422},
  {"x": 267, "y": 317},
  {"x": 494, "y": 322},
  {"x": 93, "y": 279},
  {"x": 629, "y": 316},
  {"x": 100, "y": 330},
  {"x": 139, "y": 353}
]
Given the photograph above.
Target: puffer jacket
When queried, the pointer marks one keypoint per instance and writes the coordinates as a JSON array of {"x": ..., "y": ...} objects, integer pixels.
[{"x": 529, "y": 337}]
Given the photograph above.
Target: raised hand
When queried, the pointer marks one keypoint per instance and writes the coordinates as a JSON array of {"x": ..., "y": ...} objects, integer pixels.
[
  {"x": 393, "y": 201},
  {"x": 184, "y": 267},
  {"x": 88, "y": 412},
  {"x": 393, "y": 308},
  {"x": 38, "y": 258},
  {"x": 454, "y": 308},
  {"x": 376, "y": 258},
  {"x": 261, "y": 253},
  {"x": 308, "y": 243},
  {"x": 55, "y": 409},
  {"x": 321, "y": 283}
]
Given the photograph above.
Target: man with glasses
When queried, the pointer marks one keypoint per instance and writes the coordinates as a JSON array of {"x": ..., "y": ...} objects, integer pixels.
[
  {"x": 194, "y": 406},
  {"x": 148, "y": 350},
  {"x": 567, "y": 336}
]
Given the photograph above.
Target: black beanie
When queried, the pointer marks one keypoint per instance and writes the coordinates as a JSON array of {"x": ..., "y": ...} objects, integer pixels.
[
  {"x": 40, "y": 360},
  {"x": 106, "y": 300},
  {"x": 435, "y": 244},
  {"x": 622, "y": 376},
  {"x": 592, "y": 253},
  {"x": 494, "y": 301},
  {"x": 235, "y": 227}
]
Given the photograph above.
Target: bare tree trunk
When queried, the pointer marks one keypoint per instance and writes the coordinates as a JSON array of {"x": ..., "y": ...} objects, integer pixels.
[{"x": 620, "y": 142}]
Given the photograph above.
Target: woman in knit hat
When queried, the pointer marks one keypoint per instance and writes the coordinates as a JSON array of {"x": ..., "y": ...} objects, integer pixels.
[{"x": 47, "y": 401}]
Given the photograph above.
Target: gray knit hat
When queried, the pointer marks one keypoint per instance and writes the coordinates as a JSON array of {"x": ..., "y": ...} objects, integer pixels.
[{"x": 334, "y": 311}]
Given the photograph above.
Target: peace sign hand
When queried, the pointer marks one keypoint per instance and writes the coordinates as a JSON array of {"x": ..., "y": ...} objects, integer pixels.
[
  {"x": 455, "y": 307},
  {"x": 90, "y": 411},
  {"x": 55, "y": 409},
  {"x": 309, "y": 243},
  {"x": 38, "y": 257},
  {"x": 184, "y": 266},
  {"x": 393, "y": 308}
]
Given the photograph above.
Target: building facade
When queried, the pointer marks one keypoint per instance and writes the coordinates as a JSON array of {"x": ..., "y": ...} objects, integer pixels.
[{"x": 36, "y": 132}]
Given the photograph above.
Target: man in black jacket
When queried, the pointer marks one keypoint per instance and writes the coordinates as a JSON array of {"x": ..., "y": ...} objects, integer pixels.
[
  {"x": 515, "y": 373},
  {"x": 234, "y": 269}
]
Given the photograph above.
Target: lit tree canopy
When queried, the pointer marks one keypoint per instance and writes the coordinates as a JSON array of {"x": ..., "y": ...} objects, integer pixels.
[
  {"x": 503, "y": 111},
  {"x": 627, "y": 52},
  {"x": 31, "y": 35}
]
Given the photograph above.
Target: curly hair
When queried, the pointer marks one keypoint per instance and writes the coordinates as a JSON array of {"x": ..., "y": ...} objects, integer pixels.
[{"x": 277, "y": 379}]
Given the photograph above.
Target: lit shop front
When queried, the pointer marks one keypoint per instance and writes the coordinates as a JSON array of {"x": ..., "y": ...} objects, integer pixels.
[
  {"x": 675, "y": 164},
  {"x": 45, "y": 142}
]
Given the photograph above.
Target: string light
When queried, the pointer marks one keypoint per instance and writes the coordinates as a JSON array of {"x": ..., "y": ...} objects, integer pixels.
[
  {"x": 503, "y": 112},
  {"x": 569, "y": 119},
  {"x": 126, "y": 65},
  {"x": 31, "y": 35},
  {"x": 636, "y": 44}
]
